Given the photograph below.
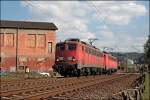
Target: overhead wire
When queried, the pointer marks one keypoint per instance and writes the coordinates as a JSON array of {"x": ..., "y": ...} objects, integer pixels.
[
  {"x": 30, "y": 4},
  {"x": 99, "y": 13}
]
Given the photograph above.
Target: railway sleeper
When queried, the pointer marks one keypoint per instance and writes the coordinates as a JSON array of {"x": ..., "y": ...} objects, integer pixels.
[
  {"x": 16, "y": 96},
  {"x": 78, "y": 88},
  {"x": 24, "y": 94},
  {"x": 5, "y": 98}
]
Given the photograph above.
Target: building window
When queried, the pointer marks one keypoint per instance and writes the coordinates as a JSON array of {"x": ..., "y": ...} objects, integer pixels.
[
  {"x": 1, "y": 39},
  {"x": 9, "y": 39},
  {"x": 49, "y": 47},
  {"x": 41, "y": 42},
  {"x": 31, "y": 40}
]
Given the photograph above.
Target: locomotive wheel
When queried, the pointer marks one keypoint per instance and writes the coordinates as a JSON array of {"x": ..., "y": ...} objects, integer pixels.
[
  {"x": 75, "y": 73},
  {"x": 78, "y": 72}
]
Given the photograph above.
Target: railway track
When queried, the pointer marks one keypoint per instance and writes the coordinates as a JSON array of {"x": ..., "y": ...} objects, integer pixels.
[
  {"x": 25, "y": 84},
  {"x": 108, "y": 90},
  {"x": 56, "y": 88}
]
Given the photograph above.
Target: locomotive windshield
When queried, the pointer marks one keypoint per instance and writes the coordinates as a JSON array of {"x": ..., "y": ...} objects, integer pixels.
[
  {"x": 61, "y": 47},
  {"x": 71, "y": 46}
]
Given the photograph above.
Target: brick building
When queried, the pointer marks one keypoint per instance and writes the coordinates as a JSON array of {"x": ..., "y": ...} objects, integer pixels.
[{"x": 31, "y": 43}]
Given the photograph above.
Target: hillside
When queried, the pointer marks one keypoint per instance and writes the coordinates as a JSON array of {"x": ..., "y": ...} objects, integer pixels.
[{"x": 138, "y": 58}]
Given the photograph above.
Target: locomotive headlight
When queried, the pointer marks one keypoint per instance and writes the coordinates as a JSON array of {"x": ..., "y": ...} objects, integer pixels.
[
  {"x": 73, "y": 59},
  {"x": 57, "y": 59}
]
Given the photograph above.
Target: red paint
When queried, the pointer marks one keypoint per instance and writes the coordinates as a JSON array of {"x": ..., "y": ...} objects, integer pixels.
[
  {"x": 86, "y": 59},
  {"x": 109, "y": 61}
]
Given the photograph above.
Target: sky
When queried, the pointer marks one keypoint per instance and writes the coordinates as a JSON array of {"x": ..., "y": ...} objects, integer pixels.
[{"x": 120, "y": 25}]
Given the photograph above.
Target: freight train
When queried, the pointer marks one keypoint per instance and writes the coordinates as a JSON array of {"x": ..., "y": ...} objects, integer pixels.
[{"x": 75, "y": 58}]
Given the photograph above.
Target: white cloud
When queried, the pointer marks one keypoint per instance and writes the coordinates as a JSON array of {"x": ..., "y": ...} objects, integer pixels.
[
  {"x": 122, "y": 42},
  {"x": 73, "y": 17},
  {"x": 120, "y": 12},
  {"x": 69, "y": 16},
  {"x": 107, "y": 34}
]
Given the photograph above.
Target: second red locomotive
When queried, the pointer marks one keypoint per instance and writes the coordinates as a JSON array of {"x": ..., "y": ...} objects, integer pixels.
[{"x": 75, "y": 58}]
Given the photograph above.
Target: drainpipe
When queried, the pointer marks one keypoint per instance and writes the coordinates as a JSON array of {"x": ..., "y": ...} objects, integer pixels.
[{"x": 17, "y": 49}]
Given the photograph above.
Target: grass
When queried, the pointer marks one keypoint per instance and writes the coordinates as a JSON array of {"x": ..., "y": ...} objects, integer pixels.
[
  {"x": 10, "y": 77},
  {"x": 19, "y": 76},
  {"x": 146, "y": 94}
]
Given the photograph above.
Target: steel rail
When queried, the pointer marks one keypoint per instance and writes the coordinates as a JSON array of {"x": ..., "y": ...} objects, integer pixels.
[{"x": 45, "y": 91}]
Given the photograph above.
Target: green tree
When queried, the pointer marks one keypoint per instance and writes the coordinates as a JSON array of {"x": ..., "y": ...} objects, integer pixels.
[{"x": 147, "y": 50}]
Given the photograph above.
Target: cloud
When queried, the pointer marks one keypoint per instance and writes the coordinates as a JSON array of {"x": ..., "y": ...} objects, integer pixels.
[
  {"x": 121, "y": 42},
  {"x": 120, "y": 12},
  {"x": 69, "y": 16},
  {"x": 107, "y": 34},
  {"x": 73, "y": 19}
]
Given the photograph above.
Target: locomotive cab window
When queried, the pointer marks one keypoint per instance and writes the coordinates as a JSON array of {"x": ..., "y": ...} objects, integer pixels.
[
  {"x": 61, "y": 47},
  {"x": 71, "y": 46}
]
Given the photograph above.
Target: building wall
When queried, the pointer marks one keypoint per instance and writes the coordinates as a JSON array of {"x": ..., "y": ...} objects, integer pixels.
[{"x": 36, "y": 49}]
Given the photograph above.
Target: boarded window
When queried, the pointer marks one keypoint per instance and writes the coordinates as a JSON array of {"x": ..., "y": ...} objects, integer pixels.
[
  {"x": 49, "y": 47},
  {"x": 31, "y": 40},
  {"x": 9, "y": 39},
  {"x": 1, "y": 39},
  {"x": 41, "y": 40}
]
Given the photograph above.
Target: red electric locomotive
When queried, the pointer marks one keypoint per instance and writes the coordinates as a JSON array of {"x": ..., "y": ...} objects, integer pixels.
[
  {"x": 75, "y": 58},
  {"x": 110, "y": 63}
]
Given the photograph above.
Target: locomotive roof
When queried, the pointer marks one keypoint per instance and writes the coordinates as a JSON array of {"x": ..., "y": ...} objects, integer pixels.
[
  {"x": 113, "y": 57},
  {"x": 78, "y": 40},
  {"x": 89, "y": 45},
  {"x": 74, "y": 40}
]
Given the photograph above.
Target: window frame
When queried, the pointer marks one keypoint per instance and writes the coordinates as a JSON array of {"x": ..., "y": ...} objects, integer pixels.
[
  {"x": 51, "y": 49},
  {"x": 2, "y": 39},
  {"x": 13, "y": 40},
  {"x": 44, "y": 46},
  {"x": 28, "y": 35}
]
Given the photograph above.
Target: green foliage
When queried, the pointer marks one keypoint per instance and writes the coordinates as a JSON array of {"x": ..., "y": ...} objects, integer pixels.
[
  {"x": 147, "y": 50},
  {"x": 146, "y": 95}
]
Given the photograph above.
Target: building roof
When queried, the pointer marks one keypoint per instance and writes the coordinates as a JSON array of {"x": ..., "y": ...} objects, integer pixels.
[{"x": 27, "y": 25}]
